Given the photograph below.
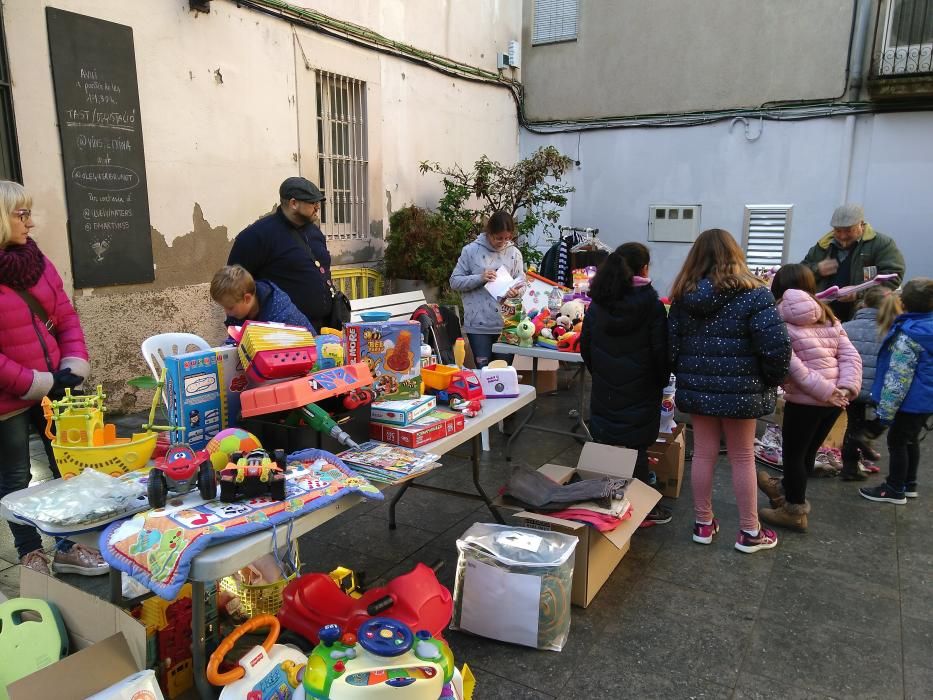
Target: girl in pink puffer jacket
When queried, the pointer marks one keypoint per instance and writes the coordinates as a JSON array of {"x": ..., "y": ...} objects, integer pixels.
[{"x": 825, "y": 374}]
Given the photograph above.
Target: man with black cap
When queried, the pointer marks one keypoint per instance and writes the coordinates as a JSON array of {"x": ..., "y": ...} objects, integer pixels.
[
  {"x": 852, "y": 253},
  {"x": 287, "y": 248}
]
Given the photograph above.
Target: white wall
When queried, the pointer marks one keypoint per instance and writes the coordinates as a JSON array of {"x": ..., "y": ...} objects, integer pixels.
[
  {"x": 227, "y": 102},
  {"x": 623, "y": 171}
]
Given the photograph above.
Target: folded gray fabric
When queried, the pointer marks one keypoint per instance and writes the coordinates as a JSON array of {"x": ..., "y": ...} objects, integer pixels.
[{"x": 534, "y": 488}]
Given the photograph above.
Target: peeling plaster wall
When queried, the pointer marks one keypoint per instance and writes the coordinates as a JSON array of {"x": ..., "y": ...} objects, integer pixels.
[{"x": 227, "y": 108}]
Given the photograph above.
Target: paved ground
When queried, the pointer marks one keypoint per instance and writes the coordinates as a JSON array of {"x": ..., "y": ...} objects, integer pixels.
[{"x": 845, "y": 611}]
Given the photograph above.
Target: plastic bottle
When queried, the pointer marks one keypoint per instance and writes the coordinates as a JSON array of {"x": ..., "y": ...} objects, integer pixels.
[
  {"x": 667, "y": 406},
  {"x": 459, "y": 352}
]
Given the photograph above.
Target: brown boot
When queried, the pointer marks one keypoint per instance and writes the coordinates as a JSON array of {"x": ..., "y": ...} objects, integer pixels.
[
  {"x": 791, "y": 515},
  {"x": 772, "y": 487}
]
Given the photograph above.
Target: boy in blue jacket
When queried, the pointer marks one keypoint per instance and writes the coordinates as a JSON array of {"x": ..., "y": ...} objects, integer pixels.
[{"x": 246, "y": 299}]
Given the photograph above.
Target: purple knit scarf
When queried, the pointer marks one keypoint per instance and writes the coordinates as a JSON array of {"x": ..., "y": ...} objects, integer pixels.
[{"x": 21, "y": 266}]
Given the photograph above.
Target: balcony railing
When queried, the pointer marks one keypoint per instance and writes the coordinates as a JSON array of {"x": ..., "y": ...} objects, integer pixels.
[{"x": 903, "y": 40}]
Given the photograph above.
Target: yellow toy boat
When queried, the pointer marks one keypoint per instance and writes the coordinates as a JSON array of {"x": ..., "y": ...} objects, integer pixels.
[{"x": 82, "y": 440}]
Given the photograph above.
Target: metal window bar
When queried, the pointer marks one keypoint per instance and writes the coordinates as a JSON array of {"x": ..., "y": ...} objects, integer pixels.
[
  {"x": 905, "y": 35},
  {"x": 766, "y": 234},
  {"x": 342, "y": 156}
]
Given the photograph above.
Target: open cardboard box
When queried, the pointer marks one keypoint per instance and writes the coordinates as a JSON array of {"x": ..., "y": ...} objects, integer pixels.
[
  {"x": 79, "y": 675},
  {"x": 87, "y": 618},
  {"x": 670, "y": 453},
  {"x": 598, "y": 553}
]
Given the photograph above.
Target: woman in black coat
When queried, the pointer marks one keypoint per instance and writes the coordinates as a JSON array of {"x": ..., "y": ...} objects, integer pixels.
[{"x": 624, "y": 346}]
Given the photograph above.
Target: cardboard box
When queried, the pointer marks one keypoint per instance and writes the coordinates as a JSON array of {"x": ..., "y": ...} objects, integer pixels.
[
  {"x": 547, "y": 373},
  {"x": 391, "y": 349},
  {"x": 79, "y": 675},
  {"x": 203, "y": 390},
  {"x": 598, "y": 553},
  {"x": 402, "y": 412},
  {"x": 434, "y": 426},
  {"x": 87, "y": 618},
  {"x": 667, "y": 461}
]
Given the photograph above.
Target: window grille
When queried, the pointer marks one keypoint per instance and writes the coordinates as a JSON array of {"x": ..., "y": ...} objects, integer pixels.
[
  {"x": 555, "y": 20},
  {"x": 343, "y": 167},
  {"x": 767, "y": 231},
  {"x": 907, "y": 38}
]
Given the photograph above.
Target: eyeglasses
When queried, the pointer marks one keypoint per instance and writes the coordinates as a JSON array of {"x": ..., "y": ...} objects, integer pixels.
[{"x": 24, "y": 215}]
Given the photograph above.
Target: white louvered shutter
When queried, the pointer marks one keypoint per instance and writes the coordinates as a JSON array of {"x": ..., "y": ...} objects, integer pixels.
[
  {"x": 767, "y": 230},
  {"x": 555, "y": 20}
]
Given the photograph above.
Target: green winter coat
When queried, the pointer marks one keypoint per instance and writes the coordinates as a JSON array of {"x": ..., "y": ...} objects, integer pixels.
[{"x": 873, "y": 249}]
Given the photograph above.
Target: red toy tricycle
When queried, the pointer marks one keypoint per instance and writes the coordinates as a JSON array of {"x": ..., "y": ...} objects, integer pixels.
[{"x": 311, "y": 601}]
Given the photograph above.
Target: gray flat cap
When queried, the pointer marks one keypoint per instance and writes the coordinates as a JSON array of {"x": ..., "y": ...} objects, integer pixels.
[
  {"x": 301, "y": 189},
  {"x": 847, "y": 215}
]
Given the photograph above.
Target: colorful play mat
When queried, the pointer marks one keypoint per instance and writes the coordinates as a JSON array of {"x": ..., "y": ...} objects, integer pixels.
[{"x": 156, "y": 547}]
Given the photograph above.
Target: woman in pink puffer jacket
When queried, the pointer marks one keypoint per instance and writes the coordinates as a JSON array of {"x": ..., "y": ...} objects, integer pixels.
[{"x": 825, "y": 374}]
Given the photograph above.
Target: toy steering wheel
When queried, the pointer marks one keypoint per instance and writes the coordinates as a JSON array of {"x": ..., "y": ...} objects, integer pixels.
[
  {"x": 384, "y": 636},
  {"x": 258, "y": 622}
]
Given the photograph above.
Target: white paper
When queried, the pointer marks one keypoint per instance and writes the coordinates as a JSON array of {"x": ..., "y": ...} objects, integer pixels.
[
  {"x": 500, "y": 605},
  {"x": 502, "y": 284}
]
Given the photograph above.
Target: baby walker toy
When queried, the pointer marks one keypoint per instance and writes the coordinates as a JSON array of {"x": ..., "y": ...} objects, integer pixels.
[
  {"x": 266, "y": 672},
  {"x": 383, "y": 660},
  {"x": 313, "y": 600},
  {"x": 82, "y": 440}
]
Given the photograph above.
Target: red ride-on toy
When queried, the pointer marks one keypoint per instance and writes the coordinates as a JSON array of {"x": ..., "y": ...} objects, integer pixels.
[
  {"x": 180, "y": 470},
  {"x": 311, "y": 601},
  {"x": 254, "y": 474}
]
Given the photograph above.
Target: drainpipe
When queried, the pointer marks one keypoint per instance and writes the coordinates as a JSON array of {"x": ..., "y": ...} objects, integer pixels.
[{"x": 859, "y": 39}]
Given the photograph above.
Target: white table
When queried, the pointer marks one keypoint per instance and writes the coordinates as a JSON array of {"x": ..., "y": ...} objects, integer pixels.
[
  {"x": 225, "y": 558},
  {"x": 579, "y": 431}
]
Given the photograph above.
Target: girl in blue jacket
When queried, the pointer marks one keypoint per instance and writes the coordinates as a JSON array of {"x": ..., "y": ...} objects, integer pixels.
[{"x": 903, "y": 392}]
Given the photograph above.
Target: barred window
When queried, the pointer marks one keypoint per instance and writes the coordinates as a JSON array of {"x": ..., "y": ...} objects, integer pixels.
[{"x": 342, "y": 156}]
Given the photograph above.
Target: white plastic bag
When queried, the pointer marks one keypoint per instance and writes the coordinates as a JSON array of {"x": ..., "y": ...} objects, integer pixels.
[{"x": 86, "y": 498}]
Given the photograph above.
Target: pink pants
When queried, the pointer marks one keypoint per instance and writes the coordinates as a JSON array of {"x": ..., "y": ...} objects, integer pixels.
[{"x": 740, "y": 445}]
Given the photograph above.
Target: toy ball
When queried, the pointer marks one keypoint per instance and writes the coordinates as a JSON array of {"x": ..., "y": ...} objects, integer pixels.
[{"x": 228, "y": 441}]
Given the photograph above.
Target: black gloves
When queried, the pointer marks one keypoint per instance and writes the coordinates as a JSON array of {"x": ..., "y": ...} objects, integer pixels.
[{"x": 63, "y": 379}]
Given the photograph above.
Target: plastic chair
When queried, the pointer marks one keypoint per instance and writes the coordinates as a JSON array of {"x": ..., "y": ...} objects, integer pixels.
[{"x": 157, "y": 347}]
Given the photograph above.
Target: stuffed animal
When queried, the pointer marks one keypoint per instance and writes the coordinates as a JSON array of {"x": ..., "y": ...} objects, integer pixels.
[
  {"x": 525, "y": 331},
  {"x": 541, "y": 319},
  {"x": 563, "y": 325},
  {"x": 574, "y": 310}
]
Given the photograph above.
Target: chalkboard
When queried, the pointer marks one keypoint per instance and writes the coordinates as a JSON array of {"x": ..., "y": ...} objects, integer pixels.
[{"x": 97, "y": 105}]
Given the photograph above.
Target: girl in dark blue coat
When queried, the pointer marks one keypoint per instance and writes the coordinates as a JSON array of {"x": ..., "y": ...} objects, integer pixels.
[
  {"x": 624, "y": 346},
  {"x": 730, "y": 350}
]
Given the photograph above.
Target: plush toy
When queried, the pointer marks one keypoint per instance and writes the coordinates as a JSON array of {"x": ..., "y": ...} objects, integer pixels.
[
  {"x": 525, "y": 331},
  {"x": 541, "y": 319},
  {"x": 563, "y": 325},
  {"x": 574, "y": 310},
  {"x": 569, "y": 342}
]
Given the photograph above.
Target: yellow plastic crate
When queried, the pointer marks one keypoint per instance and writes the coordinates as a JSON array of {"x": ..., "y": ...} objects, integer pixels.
[
  {"x": 257, "y": 600},
  {"x": 357, "y": 282}
]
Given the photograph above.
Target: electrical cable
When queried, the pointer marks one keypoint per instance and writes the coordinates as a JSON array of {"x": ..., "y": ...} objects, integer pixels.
[{"x": 373, "y": 41}]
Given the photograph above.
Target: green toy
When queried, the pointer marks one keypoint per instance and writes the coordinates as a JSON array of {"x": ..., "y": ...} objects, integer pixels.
[{"x": 32, "y": 636}]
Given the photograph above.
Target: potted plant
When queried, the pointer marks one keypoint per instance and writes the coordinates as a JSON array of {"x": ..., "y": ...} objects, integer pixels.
[{"x": 421, "y": 251}]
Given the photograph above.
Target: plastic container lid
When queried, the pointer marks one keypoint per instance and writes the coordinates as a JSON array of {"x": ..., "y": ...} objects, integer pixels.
[{"x": 375, "y": 315}]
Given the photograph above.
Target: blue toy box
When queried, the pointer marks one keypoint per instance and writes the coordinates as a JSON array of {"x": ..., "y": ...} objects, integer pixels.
[{"x": 203, "y": 393}]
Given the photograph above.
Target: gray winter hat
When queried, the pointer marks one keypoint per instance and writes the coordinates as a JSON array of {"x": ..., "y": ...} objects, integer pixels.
[{"x": 847, "y": 215}]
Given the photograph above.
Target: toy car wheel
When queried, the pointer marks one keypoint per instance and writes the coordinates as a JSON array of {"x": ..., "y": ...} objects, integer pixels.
[
  {"x": 278, "y": 456},
  {"x": 277, "y": 490},
  {"x": 227, "y": 491},
  {"x": 207, "y": 481},
  {"x": 157, "y": 489}
]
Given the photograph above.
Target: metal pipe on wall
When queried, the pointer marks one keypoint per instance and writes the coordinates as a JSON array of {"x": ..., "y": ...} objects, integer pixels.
[{"x": 859, "y": 40}]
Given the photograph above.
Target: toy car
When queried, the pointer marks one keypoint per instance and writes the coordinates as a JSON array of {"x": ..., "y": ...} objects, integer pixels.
[
  {"x": 180, "y": 470},
  {"x": 358, "y": 397},
  {"x": 448, "y": 382},
  {"x": 253, "y": 474}
]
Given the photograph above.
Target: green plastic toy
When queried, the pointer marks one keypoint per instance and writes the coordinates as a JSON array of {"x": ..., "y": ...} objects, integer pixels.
[{"x": 32, "y": 636}]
